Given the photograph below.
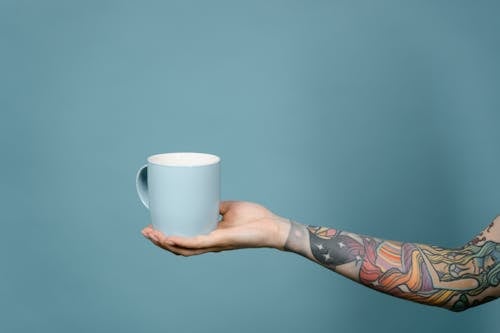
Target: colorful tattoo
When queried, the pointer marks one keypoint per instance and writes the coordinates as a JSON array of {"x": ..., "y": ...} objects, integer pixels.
[{"x": 453, "y": 278}]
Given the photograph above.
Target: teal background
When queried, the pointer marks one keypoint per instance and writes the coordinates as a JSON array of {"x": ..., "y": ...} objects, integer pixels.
[{"x": 378, "y": 117}]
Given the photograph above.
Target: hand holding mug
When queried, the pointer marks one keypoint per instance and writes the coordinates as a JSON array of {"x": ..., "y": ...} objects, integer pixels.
[{"x": 243, "y": 225}]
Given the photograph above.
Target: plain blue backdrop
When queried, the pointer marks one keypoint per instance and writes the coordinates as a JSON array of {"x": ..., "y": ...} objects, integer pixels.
[{"x": 377, "y": 117}]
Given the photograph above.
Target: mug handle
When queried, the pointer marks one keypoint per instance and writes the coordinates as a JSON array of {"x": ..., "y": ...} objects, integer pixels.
[{"x": 141, "y": 184}]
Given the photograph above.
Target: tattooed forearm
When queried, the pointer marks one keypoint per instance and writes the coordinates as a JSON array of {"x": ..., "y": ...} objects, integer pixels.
[{"x": 452, "y": 278}]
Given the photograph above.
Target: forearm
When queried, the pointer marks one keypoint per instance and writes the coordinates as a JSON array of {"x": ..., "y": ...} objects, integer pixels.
[{"x": 430, "y": 275}]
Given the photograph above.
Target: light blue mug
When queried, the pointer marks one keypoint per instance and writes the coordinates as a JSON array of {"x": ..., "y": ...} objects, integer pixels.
[{"x": 181, "y": 191}]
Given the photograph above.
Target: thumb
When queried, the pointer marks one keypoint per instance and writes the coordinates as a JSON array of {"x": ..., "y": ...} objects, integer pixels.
[{"x": 224, "y": 206}]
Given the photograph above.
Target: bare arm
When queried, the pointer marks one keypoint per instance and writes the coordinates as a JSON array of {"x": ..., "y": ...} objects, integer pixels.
[{"x": 456, "y": 279}]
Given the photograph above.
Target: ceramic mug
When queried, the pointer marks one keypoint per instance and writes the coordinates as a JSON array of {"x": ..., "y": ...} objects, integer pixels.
[{"x": 181, "y": 191}]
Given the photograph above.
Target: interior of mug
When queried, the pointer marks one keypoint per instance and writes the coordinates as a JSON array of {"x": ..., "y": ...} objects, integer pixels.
[{"x": 183, "y": 159}]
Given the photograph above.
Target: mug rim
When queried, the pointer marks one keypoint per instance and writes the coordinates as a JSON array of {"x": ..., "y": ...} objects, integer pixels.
[{"x": 211, "y": 159}]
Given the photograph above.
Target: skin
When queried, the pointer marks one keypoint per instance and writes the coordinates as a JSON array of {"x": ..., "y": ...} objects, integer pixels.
[
  {"x": 455, "y": 279},
  {"x": 243, "y": 225}
]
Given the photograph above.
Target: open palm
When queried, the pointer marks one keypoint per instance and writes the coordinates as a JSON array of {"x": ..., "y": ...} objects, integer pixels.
[{"x": 243, "y": 225}]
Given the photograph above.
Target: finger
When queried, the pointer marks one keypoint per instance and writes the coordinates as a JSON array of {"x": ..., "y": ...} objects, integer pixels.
[
  {"x": 190, "y": 252},
  {"x": 159, "y": 237},
  {"x": 147, "y": 229},
  {"x": 214, "y": 239},
  {"x": 154, "y": 240},
  {"x": 224, "y": 206},
  {"x": 224, "y": 224},
  {"x": 180, "y": 250}
]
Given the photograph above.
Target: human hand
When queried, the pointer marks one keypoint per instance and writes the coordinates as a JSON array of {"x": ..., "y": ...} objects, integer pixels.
[{"x": 243, "y": 225}]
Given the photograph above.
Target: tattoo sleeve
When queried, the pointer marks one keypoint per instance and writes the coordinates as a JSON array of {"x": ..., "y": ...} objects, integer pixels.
[{"x": 455, "y": 279}]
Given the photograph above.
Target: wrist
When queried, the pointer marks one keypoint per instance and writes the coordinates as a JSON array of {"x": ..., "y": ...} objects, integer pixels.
[{"x": 280, "y": 234}]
